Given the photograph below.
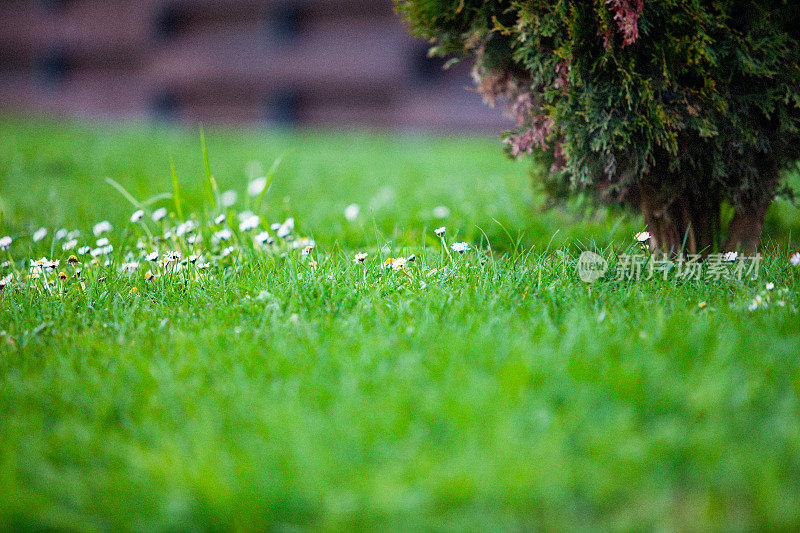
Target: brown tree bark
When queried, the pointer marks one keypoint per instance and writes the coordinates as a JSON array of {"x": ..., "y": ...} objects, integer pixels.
[
  {"x": 744, "y": 231},
  {"x": 690, "y": 224},
  {"x": 687, "y": 223}
]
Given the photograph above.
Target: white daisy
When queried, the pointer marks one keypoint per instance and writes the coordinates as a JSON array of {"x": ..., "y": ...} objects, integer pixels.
[
  {"x": 440, "y": 231},
  {"x": 228, "y": 198},
  {"x": 222, "y": 235},
  {"x": 152, "y": 256},
  {"x": 102, "y": 242},
  {"x": 285, "y": 229},
  {"x": 351, "y": 212},
  {"x": 102, "y": 250},
  {"x": 360, "y": 257},
  {"x": 44, "y": 263},
  {"x": 102, "y": 227},
  {"x": 83, "y": 250},
  {"x": 642, "y": 236},
  {"x": 250, "y": 223},
  {"x": 263, "y": 237},
  {"x": 184, "y": 228},
  {"x": 302, "y": 243},
  {"x": 757, "y": 303},
  {"x": 5, "y": 242},
  {"x": 159, "y": 214},
  {"x": 730, "y": 257},
  {"x": 795, "y": 259},
  {"x": 39, "y": 234},
  {"x": 69, "y": 245},
  {"x": 770, "y": 286},
  {"x": 220, "y": 219},
  {"x": 399, "y": 264},
  {"x": 460, "y": 247},
  {"x": 256, "y": 187},
  {"x": 137, "y": 216}
]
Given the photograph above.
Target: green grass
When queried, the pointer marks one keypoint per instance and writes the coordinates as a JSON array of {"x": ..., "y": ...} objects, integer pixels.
[{"x": 491, "y": 390}]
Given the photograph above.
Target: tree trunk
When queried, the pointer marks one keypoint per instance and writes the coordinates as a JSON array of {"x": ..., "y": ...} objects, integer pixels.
[
  {"x": 744, "y": 231},
  {"x": 684, "y": 224},
  {"x": 689, "y": 224}
]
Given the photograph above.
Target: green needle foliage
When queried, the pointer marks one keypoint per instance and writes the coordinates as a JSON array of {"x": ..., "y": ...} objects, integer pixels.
[{"x": 669, "y": 106}]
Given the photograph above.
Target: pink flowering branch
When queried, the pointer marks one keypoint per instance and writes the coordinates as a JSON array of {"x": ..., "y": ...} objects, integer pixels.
[
  {"x": 534, "y": 137},
  {"x": 626, "y": 14}
]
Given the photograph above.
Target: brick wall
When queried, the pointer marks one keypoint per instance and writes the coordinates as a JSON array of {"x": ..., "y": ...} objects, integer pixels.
[{"x": 310, "y": 62}]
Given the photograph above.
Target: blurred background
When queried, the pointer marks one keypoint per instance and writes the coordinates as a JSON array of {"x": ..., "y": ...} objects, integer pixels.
[{"x": 317, "y": 63}]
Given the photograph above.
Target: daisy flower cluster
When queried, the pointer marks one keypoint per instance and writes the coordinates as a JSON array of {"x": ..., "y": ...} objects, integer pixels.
[
  {"x": 403, "y": 263},
  {"x": 158, "y": 246},
  {"x": 153, "y": 245},
  {"x": 769, "y": 296},
  {"x": 459, "y": 247}
]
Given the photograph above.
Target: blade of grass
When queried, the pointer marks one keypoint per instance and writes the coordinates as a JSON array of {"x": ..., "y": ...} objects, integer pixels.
[
  {"x": 269, "y": 176},
  {"x": 157, "y": 198},
  {"x": 176, "y": 195},
  {"x": 212, "y": 184},
  {"x": 136, "y": 203},
  {"x": 120, "y": 189}
]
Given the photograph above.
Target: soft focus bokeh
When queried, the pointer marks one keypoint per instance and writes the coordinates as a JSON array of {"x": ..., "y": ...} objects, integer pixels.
[
  {"x": 287, "y": 386},
  {"x": 486, "y": 391},
  {"x": 325, "y": 63}
]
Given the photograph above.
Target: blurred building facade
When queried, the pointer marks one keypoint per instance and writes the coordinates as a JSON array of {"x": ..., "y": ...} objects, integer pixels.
[{"x": 293, "y": 62}]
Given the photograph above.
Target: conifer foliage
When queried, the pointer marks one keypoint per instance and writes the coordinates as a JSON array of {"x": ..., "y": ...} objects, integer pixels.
[{"x": 673, "y": 107}]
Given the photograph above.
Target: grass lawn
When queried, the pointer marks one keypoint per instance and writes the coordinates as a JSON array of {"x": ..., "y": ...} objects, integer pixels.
[{"x": 268, "y": 387}]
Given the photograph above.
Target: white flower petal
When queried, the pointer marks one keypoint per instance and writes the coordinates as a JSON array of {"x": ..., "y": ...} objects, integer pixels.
[
  {"x": 256, "y": 187},
  {"x": 441, "y": 211},
  {"x": 351, "y": 212}
]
